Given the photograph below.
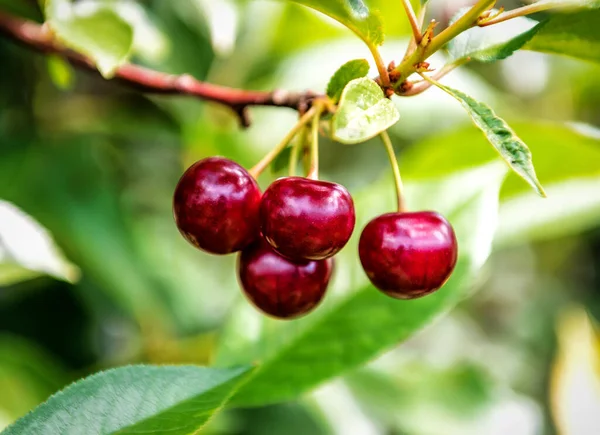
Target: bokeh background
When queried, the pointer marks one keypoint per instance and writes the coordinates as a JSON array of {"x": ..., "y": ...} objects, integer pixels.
[{"x": 111, "y": 282}]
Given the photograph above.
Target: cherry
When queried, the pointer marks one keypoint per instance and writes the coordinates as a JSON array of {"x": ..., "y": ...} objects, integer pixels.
[
  {"x": 408, "y": 255},
  {"x": 216, "y": 205},
  {"x": 279, "y": 287},
  {"x": 306, "y": 219}
]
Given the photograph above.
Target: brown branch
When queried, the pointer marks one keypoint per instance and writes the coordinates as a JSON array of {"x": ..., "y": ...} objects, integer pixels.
[{"x": 40, "y": 38}]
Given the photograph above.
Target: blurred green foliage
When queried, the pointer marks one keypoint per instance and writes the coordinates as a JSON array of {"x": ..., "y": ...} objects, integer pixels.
[{"x": 95, "y": 164}]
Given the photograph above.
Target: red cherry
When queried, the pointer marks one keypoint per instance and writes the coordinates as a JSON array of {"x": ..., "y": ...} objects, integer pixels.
[
  {"x": 306, "y": 219},
  {"x": 216, "y": 205},
  {"x": 279, "y": 287},
  {"x": 408, "y": 255}
]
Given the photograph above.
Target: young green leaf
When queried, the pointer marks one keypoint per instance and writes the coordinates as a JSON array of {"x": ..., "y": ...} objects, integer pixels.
[
  {"x": 354, "y": 14},
  {"x": 574, "y": 34},
  {"x": 488, "y": 44},
  {"x": 134, "y": 400},
  {"x": 354, "y": 327},
  {"x": 363, "y": 112},
  {"x": 510, "y": 147},
  {"x": 100, "y": 34},
  {"x": 349, "y": 71}
]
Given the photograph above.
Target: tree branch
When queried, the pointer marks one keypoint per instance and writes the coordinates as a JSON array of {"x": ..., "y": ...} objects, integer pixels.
[{"x": 38, "y": 37}]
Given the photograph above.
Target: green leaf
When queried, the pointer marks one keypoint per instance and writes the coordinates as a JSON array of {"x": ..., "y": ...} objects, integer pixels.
[
  {"x": 573, "y": 203},
  {"x": 575, "y": 34},
  {"x": 354, "y": 14},
  {"x": 510, "y": 147},
  {"x": 351, "y": 70},
  {"x": 355, "y": 326},
  {"x": 100, "y": 34},
  {"x": 27, "y": 249},
  {"x": 134, "y": 400},
  {"x": 363, "y": 112},
  {"x": 488, "y": 44}
]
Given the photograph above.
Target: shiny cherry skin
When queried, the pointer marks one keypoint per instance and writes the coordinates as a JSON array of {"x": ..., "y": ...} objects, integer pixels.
[
  {"x": 216, "y": 204},
  {"x": 408, "y": 255},
  {"x": 306, "y": 219},
  {"x": 280, "y": 287}
]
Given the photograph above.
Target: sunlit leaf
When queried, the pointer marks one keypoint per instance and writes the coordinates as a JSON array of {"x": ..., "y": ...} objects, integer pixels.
[
  {"x": 363, "y": 112},
  {"x": 354, "y": 14},
  {"x": 133, "y": 400},
  {"x": 100, "y": 34},
  {"x": 27, "y": 249}
]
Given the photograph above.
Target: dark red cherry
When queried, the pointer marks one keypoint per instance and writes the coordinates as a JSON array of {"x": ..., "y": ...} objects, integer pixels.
[
  {"x": 216, "y": 205},
  {"x": 306, "y": 219},
  {"x": 408, "y": 255},
  {"x": 280, "y": 287}
]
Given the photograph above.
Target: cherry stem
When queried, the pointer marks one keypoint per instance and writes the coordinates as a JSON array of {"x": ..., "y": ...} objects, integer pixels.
[
  {"x": 413, "y": 20},
  {"x": 519, "y": 12},
  {"x": 313, "y": 172},
  {"x": 267, "y": 159},
  {"x": 385, "y": 137}
]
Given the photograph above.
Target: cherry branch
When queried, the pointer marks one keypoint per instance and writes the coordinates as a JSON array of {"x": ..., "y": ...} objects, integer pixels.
[{"x": 39, "y": 38}]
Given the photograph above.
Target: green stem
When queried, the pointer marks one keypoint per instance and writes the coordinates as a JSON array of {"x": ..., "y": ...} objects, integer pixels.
[
  {"x": 267, "y": 159},
  {"x": 395, "y": 169},
  {"x": 423, "y": 52},
  {"x": 313, "y": 172},
  {"x": 412, "y": 19},
  {"x": 519, "y": 12},
  {"x": 465, "y": 22}
]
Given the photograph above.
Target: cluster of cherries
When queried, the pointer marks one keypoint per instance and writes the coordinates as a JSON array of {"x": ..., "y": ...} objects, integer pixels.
[{"x": 289, "y": 234}]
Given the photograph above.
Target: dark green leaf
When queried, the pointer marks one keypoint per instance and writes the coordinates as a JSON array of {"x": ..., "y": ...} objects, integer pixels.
[
  {"x": 134, "y": 400},
  {"x": 354, "y": 14},
  {"x": 355, "y": 326},
  {"x": 101, "y": 34},
  {"x": 510, "y": 147},
  {"x": 351, "y": 70},
  {"x": 363, "y": 112}
]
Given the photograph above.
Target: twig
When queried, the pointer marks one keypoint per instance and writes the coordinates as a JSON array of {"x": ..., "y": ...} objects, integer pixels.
[
  {"x": 417, "y": 87},
  {"x": 37, "y": 37},
  {"x": 519, "y": 12}
]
